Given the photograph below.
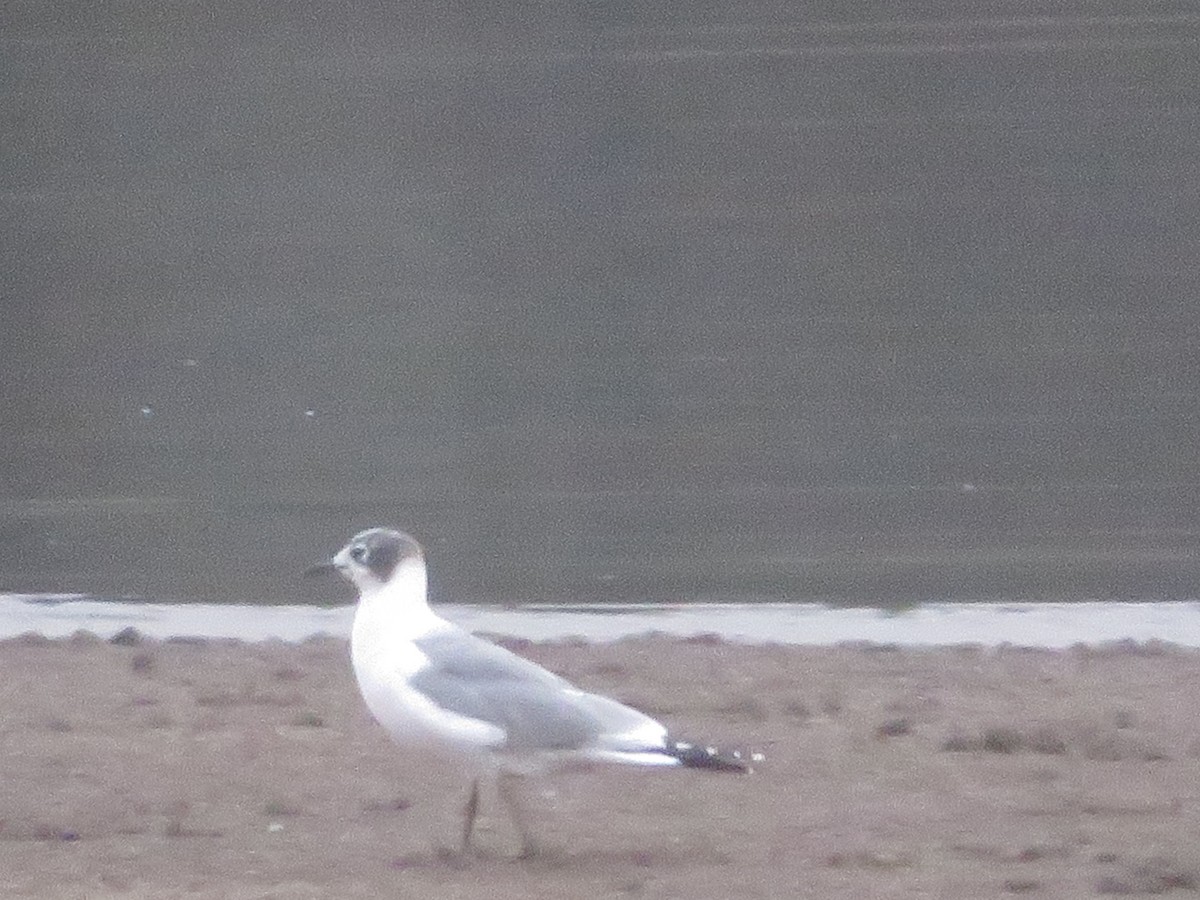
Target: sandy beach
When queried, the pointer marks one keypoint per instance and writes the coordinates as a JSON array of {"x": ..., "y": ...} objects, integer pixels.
[{"x": 225, "y": 769}]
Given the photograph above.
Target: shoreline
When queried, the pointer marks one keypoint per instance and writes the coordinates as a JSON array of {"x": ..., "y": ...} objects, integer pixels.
[{"x": 1043, "y": 624}]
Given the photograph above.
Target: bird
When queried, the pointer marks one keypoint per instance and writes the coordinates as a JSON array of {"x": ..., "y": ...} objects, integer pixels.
[{"x": 438, "y": 689}]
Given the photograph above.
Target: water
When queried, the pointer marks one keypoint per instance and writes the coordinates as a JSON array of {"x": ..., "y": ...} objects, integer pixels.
[
  {"x": 853, "y": 302},
  {"x": 986, "y": 624}
]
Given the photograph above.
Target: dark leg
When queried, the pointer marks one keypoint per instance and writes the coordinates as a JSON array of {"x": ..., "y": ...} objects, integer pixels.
[
  {"x": 510, "y": 786},
  {"x": 469, "y": 813}
]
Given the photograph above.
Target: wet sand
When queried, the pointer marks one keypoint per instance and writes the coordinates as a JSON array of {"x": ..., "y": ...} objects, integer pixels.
[{"x": 223, "y": 769}]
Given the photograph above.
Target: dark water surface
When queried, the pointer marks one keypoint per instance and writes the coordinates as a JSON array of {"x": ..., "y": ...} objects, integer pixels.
[{"x": 871, "y": 303}]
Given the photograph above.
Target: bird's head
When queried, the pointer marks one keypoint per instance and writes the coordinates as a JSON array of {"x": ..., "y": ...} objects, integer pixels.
[{"x": 372, "y": 558}]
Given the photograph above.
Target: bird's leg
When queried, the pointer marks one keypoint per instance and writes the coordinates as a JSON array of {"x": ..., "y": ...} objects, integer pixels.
[
  {"x": 469, "y": 813},
  {"x": 509, "y": 786}
]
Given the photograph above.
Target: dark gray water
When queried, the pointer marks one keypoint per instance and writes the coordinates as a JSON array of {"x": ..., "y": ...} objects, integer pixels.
[{"x": 847, "y": 302}]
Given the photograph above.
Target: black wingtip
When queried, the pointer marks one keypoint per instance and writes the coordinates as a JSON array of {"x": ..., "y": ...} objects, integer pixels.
[{"x": 701, "y": 756}]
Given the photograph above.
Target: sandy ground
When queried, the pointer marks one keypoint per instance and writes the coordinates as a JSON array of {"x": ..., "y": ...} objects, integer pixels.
[{"x": 222, "y": 769}]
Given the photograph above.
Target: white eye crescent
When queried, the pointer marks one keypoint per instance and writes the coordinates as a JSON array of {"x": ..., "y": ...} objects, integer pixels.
[{"x": 358, "y": 553}]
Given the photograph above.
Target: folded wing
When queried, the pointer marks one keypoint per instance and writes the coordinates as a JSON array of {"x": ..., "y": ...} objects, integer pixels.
[{"x": 536, "y": 709}]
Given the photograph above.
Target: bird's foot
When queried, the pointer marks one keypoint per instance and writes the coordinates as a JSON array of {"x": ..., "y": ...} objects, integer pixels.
[
  {"x": 455, "y": 857},
  {"x": 531, "y": 850},
  {"x": 542, "y": 854}
]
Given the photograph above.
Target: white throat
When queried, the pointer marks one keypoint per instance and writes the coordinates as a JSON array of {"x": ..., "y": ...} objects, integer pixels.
[{"x": 395, "y": 610}]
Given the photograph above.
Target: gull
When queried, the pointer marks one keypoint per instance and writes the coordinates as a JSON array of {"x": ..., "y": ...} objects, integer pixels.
[{"x": 439, "y": 690}]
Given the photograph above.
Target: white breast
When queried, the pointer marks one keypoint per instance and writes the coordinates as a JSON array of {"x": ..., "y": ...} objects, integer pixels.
[{"x": 386, "y": 623}]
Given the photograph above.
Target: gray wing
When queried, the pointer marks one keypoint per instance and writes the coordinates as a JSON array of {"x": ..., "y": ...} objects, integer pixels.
[{"x": 537, "y": 709}]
